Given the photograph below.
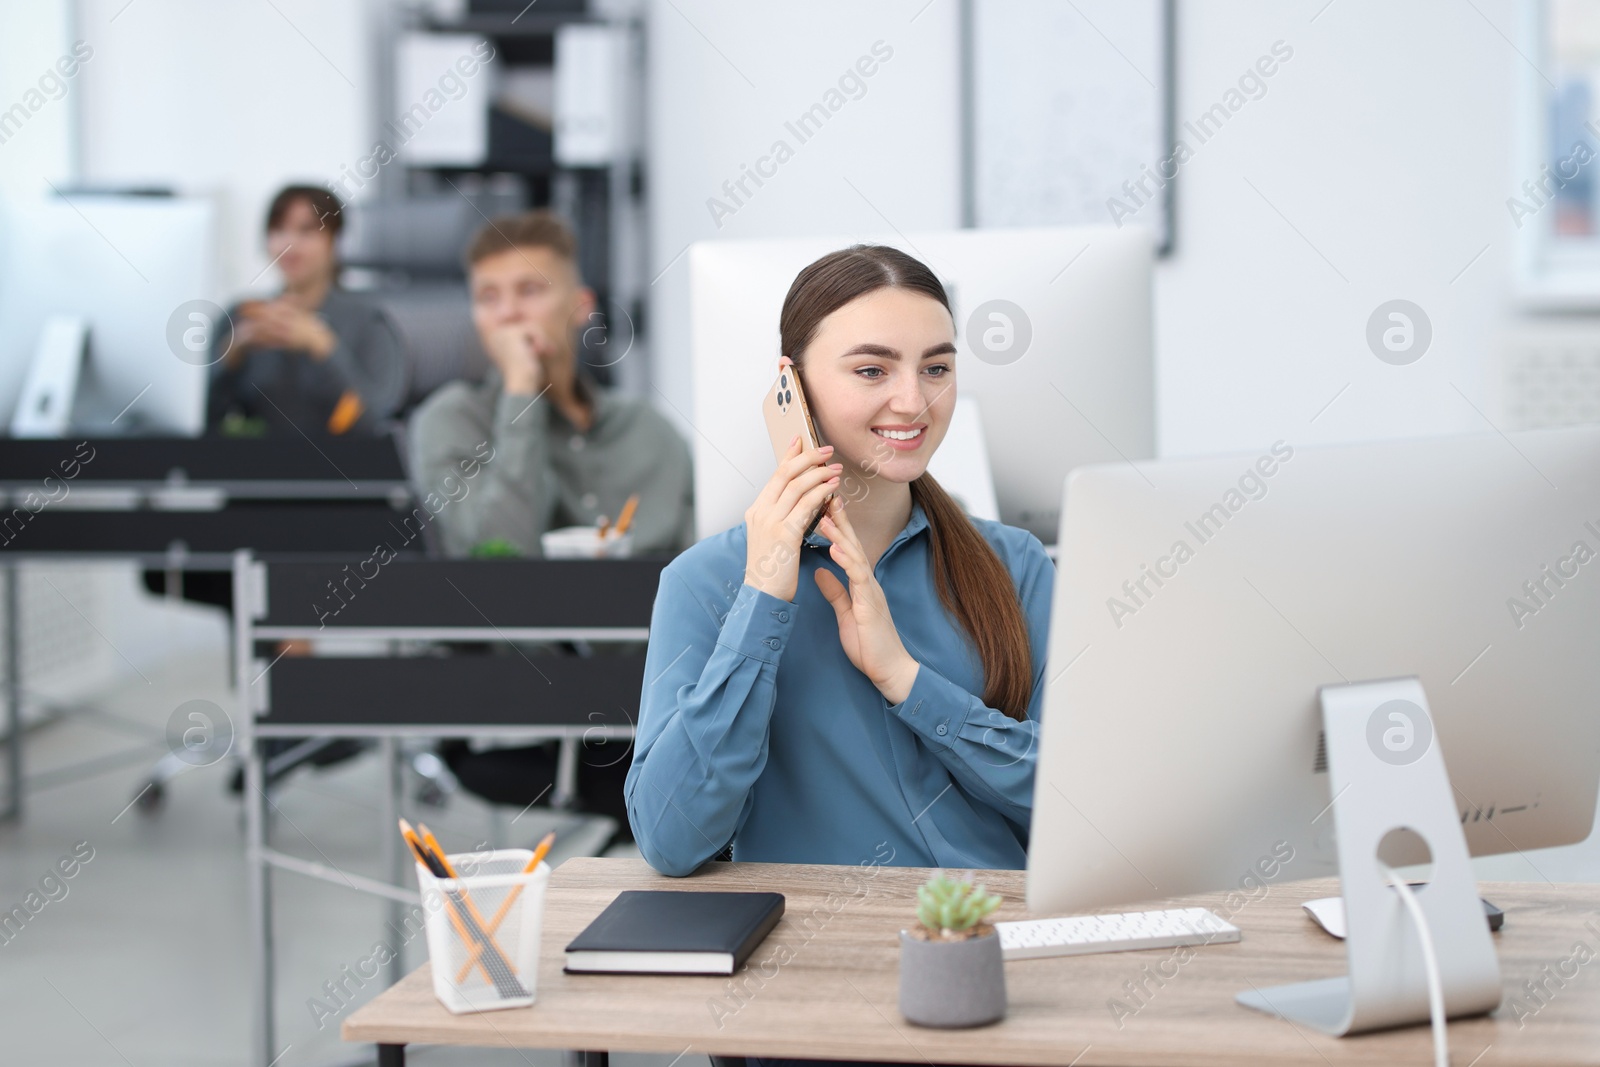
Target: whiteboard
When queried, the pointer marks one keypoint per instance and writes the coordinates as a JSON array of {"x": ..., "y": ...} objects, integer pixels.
[{"x": 1069, "y": 102}]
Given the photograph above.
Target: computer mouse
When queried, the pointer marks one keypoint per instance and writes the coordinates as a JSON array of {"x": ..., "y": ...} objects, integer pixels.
[{"x": 1328, "y": 913}]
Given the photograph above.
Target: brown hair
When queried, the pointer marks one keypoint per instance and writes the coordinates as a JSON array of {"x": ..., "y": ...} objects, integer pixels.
[
  {"x": 531, "y": 229},
  {"x": 325, "y": 205},
  {"x": 973, "y": 584}
]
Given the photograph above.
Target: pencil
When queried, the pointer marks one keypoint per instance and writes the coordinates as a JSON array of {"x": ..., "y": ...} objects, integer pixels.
[
  {"x": 428, "y": 861},
  {"x": 470, "y": 916},
  {"x": 424, "y": 857},
  {"x": 539, "y": 853},
  {"x": 433, "y": 846},
  {"x": 626, "y": 518},
  {"x": 444, "y": 861}
]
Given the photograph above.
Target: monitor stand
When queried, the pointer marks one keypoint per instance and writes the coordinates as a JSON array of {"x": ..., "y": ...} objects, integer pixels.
[
  {"x": 1385, "y": 772},
  {"x": 44, "y": 407}
]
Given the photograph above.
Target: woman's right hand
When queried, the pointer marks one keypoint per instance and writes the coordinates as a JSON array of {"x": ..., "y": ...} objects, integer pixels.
[{"x": 777, "y": 520}]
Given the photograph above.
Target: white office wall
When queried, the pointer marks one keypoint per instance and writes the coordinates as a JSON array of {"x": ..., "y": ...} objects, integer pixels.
[
  {"x": 38, "y": 145},
  {"x": 1375, "y": 167},
  {"x": 231, "y": 100},
  {"x": 38, "y": 140},
  {"x": 725, "y": 76}
]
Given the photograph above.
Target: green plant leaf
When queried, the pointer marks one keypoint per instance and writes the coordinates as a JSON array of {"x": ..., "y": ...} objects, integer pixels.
[{"x": 944, "y": 903}]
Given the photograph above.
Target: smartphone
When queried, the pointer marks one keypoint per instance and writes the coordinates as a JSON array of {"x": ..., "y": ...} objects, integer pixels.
[{"x": 787, "y": 414}]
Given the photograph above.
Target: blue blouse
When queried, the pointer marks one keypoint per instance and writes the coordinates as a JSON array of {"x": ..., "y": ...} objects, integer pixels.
[{"x": 755, "y": 727}]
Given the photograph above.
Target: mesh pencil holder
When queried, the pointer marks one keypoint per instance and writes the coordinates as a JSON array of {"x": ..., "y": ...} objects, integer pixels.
[{"x": 483, "y": 929}]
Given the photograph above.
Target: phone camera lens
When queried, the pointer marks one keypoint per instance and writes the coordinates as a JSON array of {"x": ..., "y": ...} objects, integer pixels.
[{"x": 783, "y": 380}]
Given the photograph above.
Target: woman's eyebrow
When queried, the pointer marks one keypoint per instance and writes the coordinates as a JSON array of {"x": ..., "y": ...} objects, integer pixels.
[{"x": 867, "y": 348}]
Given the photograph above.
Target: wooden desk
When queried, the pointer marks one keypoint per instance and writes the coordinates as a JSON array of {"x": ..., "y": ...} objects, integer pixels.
[{"x": 837, "y": 996}]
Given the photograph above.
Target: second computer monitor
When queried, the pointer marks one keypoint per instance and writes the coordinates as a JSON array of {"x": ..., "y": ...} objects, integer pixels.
[
  {"x": 1053, "y": 331},
  {"x": 1200, "y": 605},
  {"x": 140, "y": 271}
]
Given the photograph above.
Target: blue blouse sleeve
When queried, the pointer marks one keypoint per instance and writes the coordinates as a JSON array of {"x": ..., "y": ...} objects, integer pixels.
[
  {"x": 709, "y": 691},
  {"x": 990, "y": 755}
]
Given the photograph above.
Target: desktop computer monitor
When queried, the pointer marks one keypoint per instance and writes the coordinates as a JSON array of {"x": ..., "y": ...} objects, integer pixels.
[
  {"x": 124, "y": 265},
  {"x": 1200, "y": 604},
  {"x": 1053, "y": 337}
]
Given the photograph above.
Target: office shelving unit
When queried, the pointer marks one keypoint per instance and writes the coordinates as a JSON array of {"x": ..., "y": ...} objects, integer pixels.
[{"x": 521, "y": 167}]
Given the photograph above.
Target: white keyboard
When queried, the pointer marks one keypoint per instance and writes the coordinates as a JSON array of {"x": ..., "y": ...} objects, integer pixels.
[{"x": 1079, "y": 935}]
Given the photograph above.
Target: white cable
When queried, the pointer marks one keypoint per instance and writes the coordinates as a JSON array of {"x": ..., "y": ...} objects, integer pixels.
[{"x": 1441, "y": 1039}]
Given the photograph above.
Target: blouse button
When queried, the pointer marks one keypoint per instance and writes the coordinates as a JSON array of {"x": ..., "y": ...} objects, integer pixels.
[
  {"x": 781, "y": 616},
  {"x": 773, "y": 643},
  {"x": 941, "y": 729}
]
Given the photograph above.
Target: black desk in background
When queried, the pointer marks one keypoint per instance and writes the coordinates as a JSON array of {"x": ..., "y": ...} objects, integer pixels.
[
  {"x": 513, "y": 696},
  {"x": 206, "y": 540},
  {"x": 284, "y": 465},
  {"x": 186, "y": 505},
  {"x": 155, "y": 499},
  {"x": 538, "y": 597}
]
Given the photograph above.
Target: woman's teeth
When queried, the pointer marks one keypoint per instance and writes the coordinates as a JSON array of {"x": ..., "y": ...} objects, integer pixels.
[{"x": 899, "y": 435}]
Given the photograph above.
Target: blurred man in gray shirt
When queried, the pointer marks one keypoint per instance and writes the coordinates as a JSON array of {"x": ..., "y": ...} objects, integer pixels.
[{"x": 538, "y": 444}]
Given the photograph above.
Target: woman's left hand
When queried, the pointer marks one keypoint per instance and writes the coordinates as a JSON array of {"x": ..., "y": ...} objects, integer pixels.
[{"x": 866, "y": 630}]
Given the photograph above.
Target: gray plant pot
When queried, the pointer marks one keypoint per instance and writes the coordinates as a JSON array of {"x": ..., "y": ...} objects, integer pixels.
[{"x": 952, "y": 984}]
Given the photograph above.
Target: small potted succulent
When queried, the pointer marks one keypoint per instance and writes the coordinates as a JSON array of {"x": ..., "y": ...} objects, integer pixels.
[{"x": 951, "y": 969}]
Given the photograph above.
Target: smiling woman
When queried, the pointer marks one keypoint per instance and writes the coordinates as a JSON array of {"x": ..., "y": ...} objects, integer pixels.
[
  {"x": 878, "y": 681},
  {"x": 855, "y": 289}
]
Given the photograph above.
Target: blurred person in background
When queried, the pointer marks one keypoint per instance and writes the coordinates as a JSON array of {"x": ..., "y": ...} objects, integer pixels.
[
  {"x": 315, "y": 357},
  {"x": 555, "y": 448},
  {"x": 538, "y": 445}
]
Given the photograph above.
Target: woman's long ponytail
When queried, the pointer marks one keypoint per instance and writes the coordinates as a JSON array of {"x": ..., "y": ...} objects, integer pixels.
[{"x": 975, "y": 587}]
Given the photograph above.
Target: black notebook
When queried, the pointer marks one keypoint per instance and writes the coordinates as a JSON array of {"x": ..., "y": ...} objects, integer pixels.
[{"x": 673, "y": 932}]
